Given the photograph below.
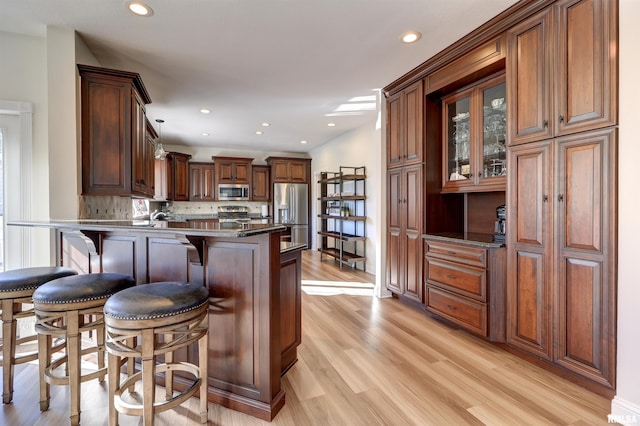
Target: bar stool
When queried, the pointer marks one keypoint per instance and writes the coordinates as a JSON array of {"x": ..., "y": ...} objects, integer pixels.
[
  {"x": 16, "y": 288},
  {"x": 178, "y": 313},
  {"x": 68, "y": 307}
]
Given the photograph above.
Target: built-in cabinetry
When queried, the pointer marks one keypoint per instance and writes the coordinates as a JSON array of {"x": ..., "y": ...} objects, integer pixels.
[
  {"x": 260, "y": 183},
  {"x": 235, "y": 170},
  {"x": 474, "y": 137},
  {"x": 554, "y": 66},
  {"x": 342, "y": 215},
  {"x": 177, "y": 170},
  {"x": 201, "y": 181},
  {"x": 294, "y": 170},
  {"x": 117, "y": 158},
  {"x": 405, "y": 126},
  {"x": 465, "y": 284},
  {"x": 404, "y": 231},
  {"x": 561, "y": 203}
]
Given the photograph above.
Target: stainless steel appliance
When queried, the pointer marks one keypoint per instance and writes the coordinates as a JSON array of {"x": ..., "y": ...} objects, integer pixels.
[
  {"x": 233, "y": 192},
  {"x": 291, "y": 208},
  {"x": 500, "y": 228}
]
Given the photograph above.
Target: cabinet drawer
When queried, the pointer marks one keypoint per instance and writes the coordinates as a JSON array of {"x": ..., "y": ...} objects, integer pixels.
[
  {"x": 472, "y": 256},
  {"x": 466, "y": 313},
  {"x": 461, "y": 279}
]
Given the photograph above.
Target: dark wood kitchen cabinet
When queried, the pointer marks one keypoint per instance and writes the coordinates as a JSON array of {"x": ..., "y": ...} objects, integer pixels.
[
  {"x": 404, "y": 232},
  {"x": 260, "y": 183},
  {"x": 116, "y": 158},
  {"x": 293, "y": 170},
  {"x": 177, "y": 176},
  {"x": 562, "y": 64},
  {"x": 232, "y": 170},
  {"x": 465, "y": 284},
  {"x": 201, "y": 182},
  {"x": 561, "y": 257},
  {"x": 405, "y": 126}
]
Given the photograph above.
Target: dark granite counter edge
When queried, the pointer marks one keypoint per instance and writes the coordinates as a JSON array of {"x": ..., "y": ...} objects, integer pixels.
[
  {"x": 286, "y": 247},
  {"x": 478, "y": 240},
  {"x": 149, "y": 226}
]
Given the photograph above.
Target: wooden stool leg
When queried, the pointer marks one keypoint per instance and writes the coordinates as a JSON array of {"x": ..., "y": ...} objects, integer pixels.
[
  {"x": 100, "y": 337},
  {"x": 131, "y": 363},
  {"x": 44, "y": 359},
  {"x": 148, "y": 376},
  {"x": 168, "y": 375},
  {"x": 73, "y": 360},
  {"x": 203, "y": 355},
  {"x": 8, "y": 349},
  {"x": 114, "y": 385}
]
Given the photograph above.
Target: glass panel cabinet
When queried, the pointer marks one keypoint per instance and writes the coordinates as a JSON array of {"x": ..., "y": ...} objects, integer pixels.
[{"x": 474, "y": 132}]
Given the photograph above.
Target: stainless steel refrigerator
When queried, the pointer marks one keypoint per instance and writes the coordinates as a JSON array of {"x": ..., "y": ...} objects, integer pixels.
[{"x": 291, "y": 208}]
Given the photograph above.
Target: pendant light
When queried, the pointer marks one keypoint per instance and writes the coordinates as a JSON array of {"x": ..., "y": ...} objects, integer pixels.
[{"x": 160, "y": 153}]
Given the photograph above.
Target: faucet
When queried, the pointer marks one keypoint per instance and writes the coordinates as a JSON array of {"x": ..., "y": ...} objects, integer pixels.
[{"x": 157, "y": 215}]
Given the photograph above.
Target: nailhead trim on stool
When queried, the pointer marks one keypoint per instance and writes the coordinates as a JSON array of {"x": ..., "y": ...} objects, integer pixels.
[
  {"x": 61, "y": 307},
  {"x": 176, "y": 311},
  {"x": 16, "y": 288}
]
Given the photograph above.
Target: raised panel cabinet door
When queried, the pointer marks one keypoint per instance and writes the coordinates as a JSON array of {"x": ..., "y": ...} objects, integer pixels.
[
  {"x": 181, "y": 179},
  {"x": 298, "y": 171},
  {"x": 106, "y": 137},
  {"x": 530, "y": 249},
  {"x": 395, "y": 130},
  {"x": 395, "y": 257},
  {"x": 260, "y": 183},
  {"x": 280, "y": 170},
  {"x": 585, "y": 214},
  {"x": 195, "y": 182},
  {"x": 412, "y": 203},
  {"x": 414, "y": 123},
  {"x": 529, "y": 85},
  {"x": 225, "y": 172},
  {"x": 587, "y": 65},
  {"x": 242, "y": 172},
  {"x": 208, "y": 190}
]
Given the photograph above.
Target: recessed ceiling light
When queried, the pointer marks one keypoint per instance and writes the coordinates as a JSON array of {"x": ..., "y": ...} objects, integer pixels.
[
  {"x": 303, "y": 142},
  {"x": 205, "y": 111},
  {"x": 265, "y": 124},
  {"x": 258, "y": 132},
  {"x": 140, "y": 8},
  {"x": 331, "y": 124},
  {"x": 204, "y": 134},
  {"x": 411, "y": 36}
]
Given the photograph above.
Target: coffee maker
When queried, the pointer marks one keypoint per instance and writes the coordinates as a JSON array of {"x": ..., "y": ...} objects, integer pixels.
[{"x": 500, "y": 227}]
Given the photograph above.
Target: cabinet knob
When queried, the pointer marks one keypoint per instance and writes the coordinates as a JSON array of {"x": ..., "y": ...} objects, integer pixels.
[
  {"x": 560, "y": 197},
  {"x": 545, "y": 123},
  {"x": 561, "y": 118},
  {"x": 545, "y": 198}
]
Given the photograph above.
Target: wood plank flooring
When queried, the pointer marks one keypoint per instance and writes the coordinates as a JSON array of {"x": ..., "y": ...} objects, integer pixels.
[{"x": 366, "y": 361}]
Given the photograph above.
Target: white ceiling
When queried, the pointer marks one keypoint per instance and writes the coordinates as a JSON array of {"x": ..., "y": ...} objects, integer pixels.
[{"x": 287, "y": 62}]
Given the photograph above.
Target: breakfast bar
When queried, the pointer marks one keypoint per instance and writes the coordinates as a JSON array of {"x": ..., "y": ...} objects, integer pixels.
[{"x": 253, "y": 281}]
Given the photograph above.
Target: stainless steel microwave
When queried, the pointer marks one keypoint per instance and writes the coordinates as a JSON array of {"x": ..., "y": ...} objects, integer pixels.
[{"x": 234, "y": 192}]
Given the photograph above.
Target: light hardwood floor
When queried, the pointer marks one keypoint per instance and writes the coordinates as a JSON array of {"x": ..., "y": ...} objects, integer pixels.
[{"x": 366, "y": 361}]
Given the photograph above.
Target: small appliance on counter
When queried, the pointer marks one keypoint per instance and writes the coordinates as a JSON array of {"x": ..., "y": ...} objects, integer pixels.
[{"x": 500, "y": 229}]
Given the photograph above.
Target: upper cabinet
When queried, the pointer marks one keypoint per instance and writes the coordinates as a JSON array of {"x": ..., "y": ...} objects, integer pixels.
[
  {"x": 201, "y": 182},
  {"x": 293, "y": 170},
  {"x": 405, "y": 126},
  {"x": 116, "y": 158},
  {"x": 177, "y": 176},
  {"x": 233, "y": 170},
  {"x": 474, "y": 132},
  {"x": 260, "y": 183},
  {"x": 563, "y": 69}
]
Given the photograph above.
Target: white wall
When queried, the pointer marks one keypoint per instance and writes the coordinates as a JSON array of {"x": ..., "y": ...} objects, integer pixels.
[
  {"x": 360, "y": 147},
  {"x": 627, "y": 400}
]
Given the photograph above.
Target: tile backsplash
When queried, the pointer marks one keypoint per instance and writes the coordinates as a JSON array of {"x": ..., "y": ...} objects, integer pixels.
[{"x": 104, "y": 207}]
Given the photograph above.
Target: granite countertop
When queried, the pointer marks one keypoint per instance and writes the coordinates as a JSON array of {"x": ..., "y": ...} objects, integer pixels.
[
  {"x": 212, "y": 227},
  {"x": 471, "y": 238},
  {"x": 286, "y": 246}
]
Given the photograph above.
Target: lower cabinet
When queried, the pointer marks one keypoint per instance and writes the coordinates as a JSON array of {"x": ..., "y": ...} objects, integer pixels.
[
  {"x": 465, "y": 284},
  {"x": 290, "y": 307}
]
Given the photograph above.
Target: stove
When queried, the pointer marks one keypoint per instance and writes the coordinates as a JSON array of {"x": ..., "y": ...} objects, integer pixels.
[{"x": 233, "y": 214}]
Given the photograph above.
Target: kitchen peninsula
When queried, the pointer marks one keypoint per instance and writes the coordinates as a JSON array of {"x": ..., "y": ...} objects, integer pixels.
[{"x": 254, "y": 292}]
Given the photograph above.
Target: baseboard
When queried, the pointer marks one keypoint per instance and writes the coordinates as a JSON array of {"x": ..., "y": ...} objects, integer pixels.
[{"x": 624, "y": 412}]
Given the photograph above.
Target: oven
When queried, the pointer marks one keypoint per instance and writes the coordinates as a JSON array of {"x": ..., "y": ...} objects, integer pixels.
[{"x": 233, "y": 192}]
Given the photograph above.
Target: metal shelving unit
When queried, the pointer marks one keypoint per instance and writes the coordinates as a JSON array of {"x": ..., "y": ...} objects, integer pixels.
[{"x": 342, "y": 216}]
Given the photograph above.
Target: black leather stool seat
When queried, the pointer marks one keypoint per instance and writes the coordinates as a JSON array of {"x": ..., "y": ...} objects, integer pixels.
[
  {"x": 31, "y": 278},
  {"x": 82, "y": 288},
  {"x": 154, "y": 301}
]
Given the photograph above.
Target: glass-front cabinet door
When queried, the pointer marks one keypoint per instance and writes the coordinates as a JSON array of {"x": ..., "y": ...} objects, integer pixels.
[{"x": 474, "y": 133}]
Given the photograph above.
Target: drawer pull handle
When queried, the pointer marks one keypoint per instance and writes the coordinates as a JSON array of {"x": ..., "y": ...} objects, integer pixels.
[
  {"x": 453, "y": 253},
  {"x": 451, "y": 308},
  {"x": 451, "y": 277}
]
